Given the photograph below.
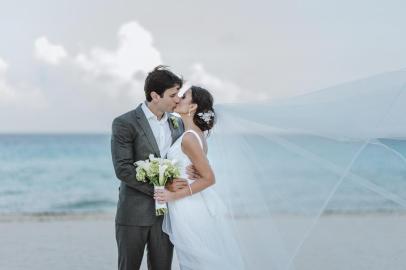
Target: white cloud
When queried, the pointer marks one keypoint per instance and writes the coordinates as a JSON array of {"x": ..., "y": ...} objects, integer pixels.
[
  {"x": 119, "y": 74},
  {"x": 107, "y": 79},
  {"x": 50, "y": 53},
  {"x": 18, "y": 95},
  {"x": 6, "y": 94},
  {"x": 223, "y": 91},
  {"x": 135, "y": 54},
  {"x": 108, "y": 82},
  {"x": 3, "y": 66}
]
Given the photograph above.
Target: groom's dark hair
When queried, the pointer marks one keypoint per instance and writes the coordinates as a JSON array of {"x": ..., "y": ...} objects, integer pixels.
[{"x": 160, "y": 79}]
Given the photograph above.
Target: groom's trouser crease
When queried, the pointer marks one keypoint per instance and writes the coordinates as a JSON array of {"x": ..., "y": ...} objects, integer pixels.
[{"x": 131, "y": 242}]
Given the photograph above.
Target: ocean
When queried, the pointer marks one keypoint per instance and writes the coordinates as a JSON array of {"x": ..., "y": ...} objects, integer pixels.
[
  {"x": 73, "y": 173},
  {"x": 56, "y": 174}
]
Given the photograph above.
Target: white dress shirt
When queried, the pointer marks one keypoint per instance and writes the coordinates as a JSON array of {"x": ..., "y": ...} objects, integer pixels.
[{"x": 160, "y": 129}]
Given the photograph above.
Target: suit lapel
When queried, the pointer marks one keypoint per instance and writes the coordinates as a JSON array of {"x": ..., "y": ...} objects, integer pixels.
[
  {"x": 142, "y": 120},
  {"x": 174, "y": 131},
  {"x": 172, "y": 128}
]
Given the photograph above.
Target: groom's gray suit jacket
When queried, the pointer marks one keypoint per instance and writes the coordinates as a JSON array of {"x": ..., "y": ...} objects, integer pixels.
[{"x": 132, "y": 140}]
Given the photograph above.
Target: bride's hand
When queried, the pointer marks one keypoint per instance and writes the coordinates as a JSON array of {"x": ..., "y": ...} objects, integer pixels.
[{"x": 164, "y": 195}]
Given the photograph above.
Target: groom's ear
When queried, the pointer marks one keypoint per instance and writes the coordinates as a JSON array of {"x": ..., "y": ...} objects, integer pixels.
[{"x": 154, "y": 96}]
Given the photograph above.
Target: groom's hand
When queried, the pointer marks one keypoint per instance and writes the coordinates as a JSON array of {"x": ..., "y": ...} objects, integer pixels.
[
  {"x": 176, "y": 184},
  {"x": 192, "y": 173}
]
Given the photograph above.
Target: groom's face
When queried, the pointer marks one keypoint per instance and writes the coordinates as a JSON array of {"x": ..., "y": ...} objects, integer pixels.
[{"x": 170, "y": 99}]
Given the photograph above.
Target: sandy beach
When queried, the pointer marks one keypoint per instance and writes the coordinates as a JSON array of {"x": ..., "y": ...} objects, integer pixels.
[
  {"x": 59, "y": 242},
  {"x": 63, "y": 242}
]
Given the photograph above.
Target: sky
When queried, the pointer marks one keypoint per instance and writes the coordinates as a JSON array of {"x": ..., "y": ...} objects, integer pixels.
[{"x": 72, "y": 66}]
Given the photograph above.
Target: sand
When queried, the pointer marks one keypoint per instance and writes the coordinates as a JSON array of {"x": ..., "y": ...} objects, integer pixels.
[{"x": 71, "y": 242}]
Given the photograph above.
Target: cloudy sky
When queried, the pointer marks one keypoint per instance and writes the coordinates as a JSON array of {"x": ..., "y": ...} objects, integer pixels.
[{"x": 72, "y": 66}]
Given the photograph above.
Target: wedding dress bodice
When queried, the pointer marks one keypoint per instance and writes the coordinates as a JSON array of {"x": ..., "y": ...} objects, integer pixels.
[{"x": 176, "y": 153}]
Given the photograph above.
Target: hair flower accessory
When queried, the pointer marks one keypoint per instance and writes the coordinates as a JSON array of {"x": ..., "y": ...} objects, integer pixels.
[{"x": 206, "y": 116}]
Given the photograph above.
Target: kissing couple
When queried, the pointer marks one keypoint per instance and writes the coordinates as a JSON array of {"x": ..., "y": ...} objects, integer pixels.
[{"x": 195, "y": 224}]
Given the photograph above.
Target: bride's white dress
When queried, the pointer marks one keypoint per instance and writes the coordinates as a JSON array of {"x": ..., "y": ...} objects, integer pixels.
[{"x": 198, "y": 227}]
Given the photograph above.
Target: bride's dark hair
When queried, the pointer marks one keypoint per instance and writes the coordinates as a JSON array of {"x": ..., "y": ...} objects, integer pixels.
[{"x": 204, "y": 101}]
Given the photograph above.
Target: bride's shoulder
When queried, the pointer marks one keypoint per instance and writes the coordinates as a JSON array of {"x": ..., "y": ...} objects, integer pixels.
[
  {"x": 190, "y": 138},
  {"x": 191, "y": 141}
]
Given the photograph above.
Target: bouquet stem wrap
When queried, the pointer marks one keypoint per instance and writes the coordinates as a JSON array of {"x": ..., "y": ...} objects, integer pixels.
[{"x": 160, "y": 208}]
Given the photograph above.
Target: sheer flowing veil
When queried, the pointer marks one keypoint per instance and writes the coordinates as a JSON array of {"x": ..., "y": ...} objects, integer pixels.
[{"x": 317, "y": 181}]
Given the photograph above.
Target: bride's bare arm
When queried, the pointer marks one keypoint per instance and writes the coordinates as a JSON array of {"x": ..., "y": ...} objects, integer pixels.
[{"x": 191, "y": 147}]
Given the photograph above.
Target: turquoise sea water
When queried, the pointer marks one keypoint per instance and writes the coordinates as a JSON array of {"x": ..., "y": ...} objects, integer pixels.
[
  {"x": 56, "y": 173},
  {"x": 74, "y": 173}
]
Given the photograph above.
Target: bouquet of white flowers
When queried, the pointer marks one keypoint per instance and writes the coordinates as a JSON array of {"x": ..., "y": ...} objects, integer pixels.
[{"x": 157, "y": 171}]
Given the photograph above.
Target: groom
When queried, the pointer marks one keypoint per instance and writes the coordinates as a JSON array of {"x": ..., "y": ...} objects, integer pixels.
[{"x": 149, "y": 129}]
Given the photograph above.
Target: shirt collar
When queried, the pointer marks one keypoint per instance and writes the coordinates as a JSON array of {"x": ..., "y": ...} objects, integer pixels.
[{"x": 151, "y": 115}]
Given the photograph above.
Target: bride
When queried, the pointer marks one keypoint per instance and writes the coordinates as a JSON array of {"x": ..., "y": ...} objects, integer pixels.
[{"x": 196, "y": 223}]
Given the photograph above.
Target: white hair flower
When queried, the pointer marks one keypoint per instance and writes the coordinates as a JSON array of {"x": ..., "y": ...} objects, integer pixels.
[{"x": 206, "y": 116}]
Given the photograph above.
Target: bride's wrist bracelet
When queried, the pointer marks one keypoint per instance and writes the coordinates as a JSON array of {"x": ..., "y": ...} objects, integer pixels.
[{"x": 190, "y": 189}]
